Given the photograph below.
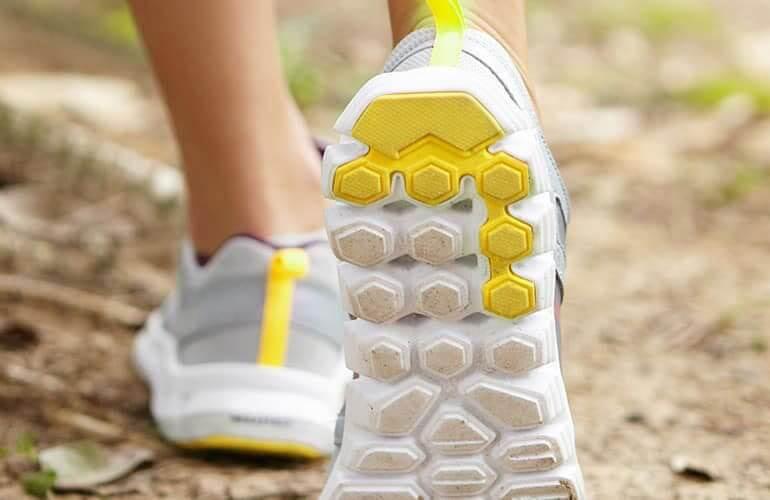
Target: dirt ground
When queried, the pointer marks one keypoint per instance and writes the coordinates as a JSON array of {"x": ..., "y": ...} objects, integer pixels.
[{"x": 659, "y": 114}]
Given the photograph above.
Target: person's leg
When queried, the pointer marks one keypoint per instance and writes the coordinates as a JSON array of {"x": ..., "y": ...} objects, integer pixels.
[
  {"x": 249, "y": 162},
  {"x": 503, "y": 19}
]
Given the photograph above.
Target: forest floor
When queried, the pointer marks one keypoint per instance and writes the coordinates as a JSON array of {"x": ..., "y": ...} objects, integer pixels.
[{"x": 659, "y": 114}]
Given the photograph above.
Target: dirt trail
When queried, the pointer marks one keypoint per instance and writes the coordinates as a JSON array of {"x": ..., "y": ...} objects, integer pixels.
[{"x": 668, "y": 293}]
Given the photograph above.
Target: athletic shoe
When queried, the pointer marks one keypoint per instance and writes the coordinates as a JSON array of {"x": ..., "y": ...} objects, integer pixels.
[
  {"x": 451, "y": 223},
  {"x": 225, "y": 375}
]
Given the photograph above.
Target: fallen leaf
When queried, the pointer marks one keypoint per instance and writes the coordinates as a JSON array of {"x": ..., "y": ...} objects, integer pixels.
[{"x": 85, "y": 464}]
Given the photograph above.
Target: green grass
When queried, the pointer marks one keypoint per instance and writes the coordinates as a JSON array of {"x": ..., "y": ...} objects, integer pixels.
[
  {"x": 302, "y": 75},
  {"x": 39, "y": 483},
  {"x": 26, "y": 445},
  {"x": 664, "y": 19},
  {"x": 118, "y": 27},
  {"x": 107, "y": 24},
  {"x": 744, "y": 181},
  {"x": 710, "y": 93}
]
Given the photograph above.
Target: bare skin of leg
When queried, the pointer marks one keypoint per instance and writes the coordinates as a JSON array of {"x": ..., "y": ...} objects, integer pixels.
[
  {"x": 249, "y": 162},
  {"x": 503, "y": 19}
]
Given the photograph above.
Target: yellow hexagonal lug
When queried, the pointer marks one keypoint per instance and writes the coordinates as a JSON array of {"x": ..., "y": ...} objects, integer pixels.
[
  {"x": 506, "y": 238},
  {"x": 506, "y": 180},
  {"x": 361, "y": 182},
  {"x": 432, "y": 183},
  {"x": 509, "y": 296}
]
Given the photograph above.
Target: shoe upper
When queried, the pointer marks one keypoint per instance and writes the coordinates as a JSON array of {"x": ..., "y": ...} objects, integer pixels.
[{"x": 215, "y": 313}]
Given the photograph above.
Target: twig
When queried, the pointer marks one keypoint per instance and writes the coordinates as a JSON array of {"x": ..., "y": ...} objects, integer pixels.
[{"x": 33, "y": 289}]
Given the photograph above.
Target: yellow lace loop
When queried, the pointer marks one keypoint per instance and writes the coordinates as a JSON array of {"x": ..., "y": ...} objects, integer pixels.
[
  {"x": 286, "y": 267},
  {"x": 450, "y": 26}
]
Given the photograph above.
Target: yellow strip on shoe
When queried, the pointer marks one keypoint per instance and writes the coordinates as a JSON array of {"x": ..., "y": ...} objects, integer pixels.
[
  {"x": 433, "y": 140},
  {"x": 286, "y": 267},
  {"x": 450, "y": 27},
  {"x": 255, "y": 447}
]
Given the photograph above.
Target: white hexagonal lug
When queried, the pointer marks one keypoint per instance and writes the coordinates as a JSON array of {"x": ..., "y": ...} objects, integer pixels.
[
  {"x": 513, "y": 353},
  {"x": 363, "y": 243},
  {"x": 446, "y": 355},
  {"x": 378, "y": 299},
  {"x": 442, "y": 295},
  {"x": 435, "y": 242},
  {"x": 388, "y": 359}
]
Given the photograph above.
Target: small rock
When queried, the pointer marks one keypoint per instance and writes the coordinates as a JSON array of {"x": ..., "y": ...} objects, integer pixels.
[
  {"x": 687, "y": 468},
  {"x": 636, "y": 417},
  {"x": 16, "y": 336}
]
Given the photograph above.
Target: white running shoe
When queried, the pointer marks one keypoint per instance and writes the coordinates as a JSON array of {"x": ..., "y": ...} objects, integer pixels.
[
  {"x": 222, "y": 378},
  {"x": 450, "y": 222}
]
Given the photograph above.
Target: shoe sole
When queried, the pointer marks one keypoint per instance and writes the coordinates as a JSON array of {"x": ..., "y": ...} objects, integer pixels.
[
  {"x": 446, "y": 231},
  {"x": 235, "y": 407}
]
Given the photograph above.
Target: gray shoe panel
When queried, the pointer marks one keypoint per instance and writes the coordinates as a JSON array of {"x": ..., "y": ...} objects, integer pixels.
[{"x": 216, "y": 311}]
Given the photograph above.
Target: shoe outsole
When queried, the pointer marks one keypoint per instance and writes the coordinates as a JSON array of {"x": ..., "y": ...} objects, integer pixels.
[{"x": 446, "y": 245}]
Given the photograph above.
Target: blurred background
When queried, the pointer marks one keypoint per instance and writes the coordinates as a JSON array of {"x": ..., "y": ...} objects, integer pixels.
[{"x": 668, "y": 301}]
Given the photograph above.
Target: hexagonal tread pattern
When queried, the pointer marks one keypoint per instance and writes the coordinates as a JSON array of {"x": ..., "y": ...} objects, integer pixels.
[
  {"x": 432, "y": 183},
  {"x": 556, "y": 490},
  {"x": 509, "y": 296},
  {"x": 458, "y": 433},
  {"x": 505, "y": 181},
  {"x": 446, "y": 356},
  {"x": 388, "y": 360},
  {"x": 434, "y": 242},
  {"x": 442, "y": 295},
  {"x": 400, "y": 414},
  {"x": 363, "y": 244},
  {"x": 535, "y": 455},
  {"x": 433, "y": 156},
  {"x": 456, "y": 424},
  {"x": 514, "y": 354},
  {"x": 378, "y": 300},
  {"x": 508, "y": 406},
  {"x": 392, "y": 459},
  {"x": 507, "y": 238},
  {"x": 361, "y": 182},
  {"x": 461, "y": 479}
]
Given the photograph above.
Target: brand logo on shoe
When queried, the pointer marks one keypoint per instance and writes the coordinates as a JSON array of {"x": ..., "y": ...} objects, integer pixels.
[{"x": 260, "y": 420}]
